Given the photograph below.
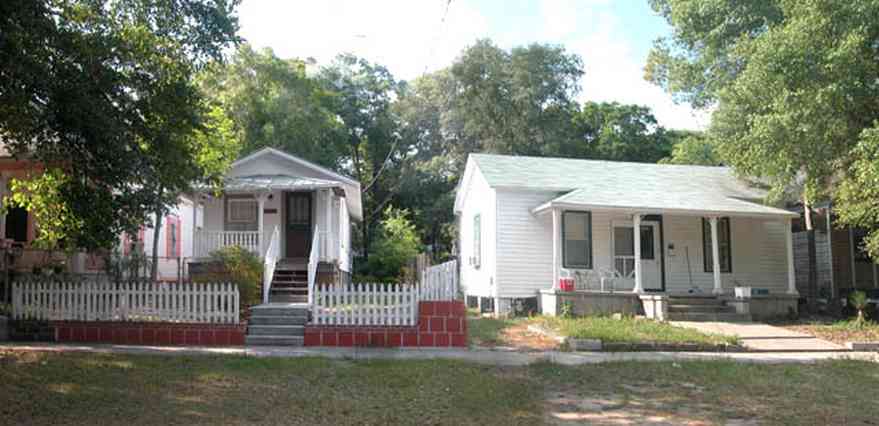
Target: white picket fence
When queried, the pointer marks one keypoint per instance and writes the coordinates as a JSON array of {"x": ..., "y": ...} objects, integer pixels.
[
  {"x": 365, "y": 304},
  {"x": 136, "y": 301},
  {"x": 440, "y": 282}
]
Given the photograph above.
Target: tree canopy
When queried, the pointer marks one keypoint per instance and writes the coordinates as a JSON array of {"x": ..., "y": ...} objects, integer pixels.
[{"x": 103, "y": 92}]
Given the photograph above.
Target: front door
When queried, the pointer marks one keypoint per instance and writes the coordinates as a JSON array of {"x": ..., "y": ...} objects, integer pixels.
[
  {"x": 298, "y": 224},
  {"x": 624, "y": 254}
]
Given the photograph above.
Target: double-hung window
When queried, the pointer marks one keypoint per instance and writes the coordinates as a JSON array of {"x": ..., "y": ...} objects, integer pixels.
[
  {"x": 723, "y": 244},
  {"x": 577, "y": 239},
  {"x": 477, "y": 241}
]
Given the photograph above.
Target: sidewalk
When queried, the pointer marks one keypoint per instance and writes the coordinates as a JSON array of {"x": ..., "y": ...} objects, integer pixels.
[
  {"x": 481, "y": 356},
  {"x": 758, "y": 337}
]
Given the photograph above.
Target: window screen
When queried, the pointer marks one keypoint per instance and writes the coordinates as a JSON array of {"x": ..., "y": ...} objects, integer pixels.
[{"x": 577, "y": 239}]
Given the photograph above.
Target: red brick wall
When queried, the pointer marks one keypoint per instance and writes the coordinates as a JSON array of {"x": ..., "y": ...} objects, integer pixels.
[
  {"x": 440, "y": 324},
  {"x": 160, "y": 334}
]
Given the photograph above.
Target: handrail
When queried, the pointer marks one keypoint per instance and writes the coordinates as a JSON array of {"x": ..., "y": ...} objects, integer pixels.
[
  {"x": 270, "y": 261},
  {"x": 313, "y": 259}
]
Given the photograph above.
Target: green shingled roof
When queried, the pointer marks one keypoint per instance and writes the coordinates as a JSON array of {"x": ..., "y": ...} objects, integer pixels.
[{"x": 627, "y": 185}]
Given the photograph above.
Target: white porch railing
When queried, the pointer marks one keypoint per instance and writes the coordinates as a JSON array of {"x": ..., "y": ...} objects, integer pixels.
[
  {"x": 365, "y": 304},
  {"x": 209, "y": 241},
  {"x": 440, "y": 282},
  {"x": 273, "y": 253},
  {"x": 137, "y": 301},
  {"x": 313, "y": 259}
]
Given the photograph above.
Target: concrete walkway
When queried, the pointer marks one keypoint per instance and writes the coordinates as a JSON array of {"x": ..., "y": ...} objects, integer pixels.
[
  {"x": 759, "y": 337},
  {"x": 489, "y": 357}
]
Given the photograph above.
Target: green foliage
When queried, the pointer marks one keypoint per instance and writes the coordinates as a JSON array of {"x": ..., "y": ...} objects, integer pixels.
[
  {"x": 793, "y": 82},
  {"x": 120, "y": 267},
  {"x": 611, "y": 131},
  {"x": 273, "y": 103},
  {"x": 858, "y": 299},
  {"x": 397, "y": 244},
  {"x": 567, "y": 310},
  {"x": 104, "y": 91},
  {"x": 515, "y": 102},
  {"x": 40, "y": 194},
  {"x": 694, "y": 149},
  {"x": 857, "y": 200},
  {"x": 244, "y": 268}
]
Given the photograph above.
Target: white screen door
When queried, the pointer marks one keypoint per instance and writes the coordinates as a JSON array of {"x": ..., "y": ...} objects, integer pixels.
[{"x": 624, "y": 254}]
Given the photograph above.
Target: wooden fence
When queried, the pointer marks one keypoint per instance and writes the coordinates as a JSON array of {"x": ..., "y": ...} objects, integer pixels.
[
  {"x": 137, "y": 301},
  {"x": 440, "y": 282},
  {"x": 365, "y": 304}
]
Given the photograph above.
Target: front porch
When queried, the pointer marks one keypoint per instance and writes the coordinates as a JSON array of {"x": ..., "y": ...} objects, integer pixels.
[{"x": 678, "y": 264}]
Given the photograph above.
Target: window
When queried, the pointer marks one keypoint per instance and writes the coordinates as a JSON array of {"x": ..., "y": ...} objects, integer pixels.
[
  {"x": 859, "y": 235},
  {"x": 242, "y": 211},
  {"x": 172, "y": 239},
  {"x": 723, "y": 244},
  {"x": 16, "y": 224},
  {"x": 477, "y": 241},
  {"x": 577, "y": 240}
]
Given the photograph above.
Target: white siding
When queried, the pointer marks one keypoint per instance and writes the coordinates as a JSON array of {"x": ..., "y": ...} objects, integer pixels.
[
  {"x": 759, "y": 256},
  {"x": 479, "y": 199},
  {"x": 524, "y": 253}
]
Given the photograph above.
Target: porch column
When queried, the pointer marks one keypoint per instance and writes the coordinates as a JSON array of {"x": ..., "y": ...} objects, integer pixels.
[
  {"x": 261, "y": 203},
  {"x": 636, "y": 233},
  {"x": 715, "y": 256},
  {"x": 326, "y": 250},
  {"x": 789, "y": 245},
  {"x": 556, "y": 246}
]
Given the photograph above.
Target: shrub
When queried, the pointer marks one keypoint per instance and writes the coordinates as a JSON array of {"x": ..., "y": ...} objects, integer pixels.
[
  {"x": 397, "y": 244},
  {"x": 858, "y": 299},
  {"x": 244, "y": 269}
]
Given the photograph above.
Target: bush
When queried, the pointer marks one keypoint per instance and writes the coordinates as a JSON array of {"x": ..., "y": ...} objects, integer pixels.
[
  {"x": 397, "y": 244},
  {"x": 858, "y": 299},
  {"x": 244, "y": 269}
]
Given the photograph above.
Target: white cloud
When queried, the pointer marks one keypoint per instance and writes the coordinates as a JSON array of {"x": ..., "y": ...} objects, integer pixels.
[{"x": 409, "y": 37}]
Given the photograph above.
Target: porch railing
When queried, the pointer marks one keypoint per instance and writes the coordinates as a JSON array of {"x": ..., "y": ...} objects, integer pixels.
[
  {"x": 313, "y": 259},
  {"x": 273, "y": 253},
  {"x": 209, "y": 241}
]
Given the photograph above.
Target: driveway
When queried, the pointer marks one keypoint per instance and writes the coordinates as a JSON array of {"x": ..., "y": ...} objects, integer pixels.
[{"x": 759, "y": 337}]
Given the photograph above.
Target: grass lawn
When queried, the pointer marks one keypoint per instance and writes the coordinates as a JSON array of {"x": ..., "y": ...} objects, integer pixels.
[
  {"x": 629, "y": 330},
  {"x": 132, "y": 390},
  {"x": 839, "y": 331},
  {"x": 486, "y": 331}
]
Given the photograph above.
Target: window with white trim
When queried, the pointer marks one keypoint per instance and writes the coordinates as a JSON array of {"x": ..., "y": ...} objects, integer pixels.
[
  {"x": 477, "y": 241},
  {"x": 241, "y": 214},
  {"x": 577, "y": 240}
]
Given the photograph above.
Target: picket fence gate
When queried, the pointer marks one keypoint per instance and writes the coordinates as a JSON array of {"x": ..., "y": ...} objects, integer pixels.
[
  {"x": 440, "y": 282},
  {"x": 365, "y": 304},
  {"x": 133, "y": 301}
]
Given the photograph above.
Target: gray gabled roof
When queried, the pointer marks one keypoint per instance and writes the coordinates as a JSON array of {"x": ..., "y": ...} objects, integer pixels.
[
  {"x": 627, "y": 186},
  {"x": 276, "y": 182}
]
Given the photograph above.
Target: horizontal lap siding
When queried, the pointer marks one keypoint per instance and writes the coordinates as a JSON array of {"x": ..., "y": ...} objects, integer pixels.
[
  {"x": 759, "y": 255},
  {"x": 524, "y": 244},
  {"x": 480, "y": 199}
]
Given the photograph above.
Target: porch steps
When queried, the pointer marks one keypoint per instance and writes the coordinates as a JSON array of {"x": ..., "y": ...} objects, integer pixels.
[
  {"x": 289, "y": 285},
  {"x": 702, "y": 309},
  {"x": 277, "y": 324}
]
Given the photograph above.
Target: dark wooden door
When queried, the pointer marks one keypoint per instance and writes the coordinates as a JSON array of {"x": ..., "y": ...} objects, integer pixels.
[{"x": 298, "y": 224}]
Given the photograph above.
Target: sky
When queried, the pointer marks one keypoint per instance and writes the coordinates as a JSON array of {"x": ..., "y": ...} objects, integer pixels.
[{"x": 412, "y": 37}]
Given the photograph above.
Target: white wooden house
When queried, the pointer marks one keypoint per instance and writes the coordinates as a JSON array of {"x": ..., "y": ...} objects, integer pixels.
[
  {"x": 286, "y": 209},
  {"x": 526, "y": 223}
]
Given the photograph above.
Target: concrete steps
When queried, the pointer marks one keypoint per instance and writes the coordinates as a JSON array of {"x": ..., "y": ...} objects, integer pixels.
[
  {"x": 277, "y": 324},
  {"x": 703, "y": 309}
]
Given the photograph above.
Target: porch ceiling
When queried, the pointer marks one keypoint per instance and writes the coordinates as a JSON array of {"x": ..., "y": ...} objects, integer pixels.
[
  {"x": 703, "y": 202},
  {"x": 276, "y": 182}
]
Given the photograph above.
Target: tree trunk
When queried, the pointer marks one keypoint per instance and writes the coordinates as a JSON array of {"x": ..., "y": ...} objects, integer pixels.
[
  {"x": 154, "y": 267},
  {"x": 812, "y": 298}
]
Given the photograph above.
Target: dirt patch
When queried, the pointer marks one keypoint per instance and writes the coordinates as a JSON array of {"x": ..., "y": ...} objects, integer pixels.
[
  {"x": 509, "y": 334},
  {"x": 572, "y": 406},
  {"x": 836, "y": 331}
]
